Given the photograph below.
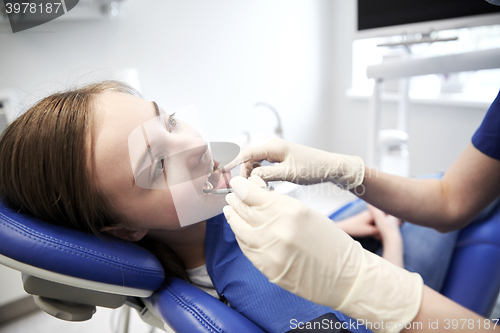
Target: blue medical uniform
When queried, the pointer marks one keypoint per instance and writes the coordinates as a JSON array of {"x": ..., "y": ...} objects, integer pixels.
[
  {"x": 487, "y": 137},
  {"x": 250, "y": 293}
]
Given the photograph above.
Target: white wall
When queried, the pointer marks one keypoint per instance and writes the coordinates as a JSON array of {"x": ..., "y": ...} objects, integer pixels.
[
  {"x": 220, "y": 55},
  {"x": 437, "y": 133},
  {"x": 225, "y": 55}
]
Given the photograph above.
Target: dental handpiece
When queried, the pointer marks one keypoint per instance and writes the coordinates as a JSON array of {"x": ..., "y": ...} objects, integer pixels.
[{"x": 230, "y": 190}]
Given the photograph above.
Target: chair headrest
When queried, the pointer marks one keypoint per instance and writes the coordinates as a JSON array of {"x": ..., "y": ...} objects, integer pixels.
[{"x": 76, "y": 254}]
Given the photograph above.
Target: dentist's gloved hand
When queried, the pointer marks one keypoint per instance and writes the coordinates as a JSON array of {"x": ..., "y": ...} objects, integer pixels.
[
  {"x": 300, "y": 164},
  {"x": 304, "y": 252}
]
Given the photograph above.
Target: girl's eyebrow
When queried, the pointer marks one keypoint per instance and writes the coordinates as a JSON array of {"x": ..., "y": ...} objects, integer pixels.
[{"x": 157, "y": 109}]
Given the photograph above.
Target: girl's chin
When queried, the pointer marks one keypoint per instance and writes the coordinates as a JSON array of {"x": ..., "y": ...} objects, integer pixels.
[{"x": 217, "y": 200}]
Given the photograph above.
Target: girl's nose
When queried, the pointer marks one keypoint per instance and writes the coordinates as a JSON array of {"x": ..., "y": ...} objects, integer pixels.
[{"x": 191, "y": 153}]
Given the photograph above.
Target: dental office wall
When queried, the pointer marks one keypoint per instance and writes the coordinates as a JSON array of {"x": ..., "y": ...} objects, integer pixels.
[
  {"x": 223, "y": 56},
  {"x": 220, "y": 55},
  {"x": 438, "y": 131}
]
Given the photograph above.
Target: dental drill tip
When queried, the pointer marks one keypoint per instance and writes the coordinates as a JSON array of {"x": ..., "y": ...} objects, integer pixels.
[{"x": 218, "y": 191}]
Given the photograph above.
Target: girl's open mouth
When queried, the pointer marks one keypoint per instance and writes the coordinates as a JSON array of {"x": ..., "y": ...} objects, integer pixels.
[{"x": 217, "y": 179}]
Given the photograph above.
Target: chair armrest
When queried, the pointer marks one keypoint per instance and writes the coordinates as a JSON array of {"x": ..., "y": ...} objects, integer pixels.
[{"x": 186, "y": 308}]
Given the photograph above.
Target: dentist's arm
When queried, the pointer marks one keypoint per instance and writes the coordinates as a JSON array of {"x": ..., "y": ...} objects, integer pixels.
[
  {"x": 300, "y": 164},
  {"x": 470, "y": 184},
  {"x": 447, "y": 316},
  {"x": 467, "y": 187},
  {"x": 304, "y": 252}
]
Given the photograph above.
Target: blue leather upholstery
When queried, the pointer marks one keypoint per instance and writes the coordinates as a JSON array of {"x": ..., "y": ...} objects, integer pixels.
[
  {"x": 109, "y": 260},
  {"x": 188, "y": 309},
  {"x": 473, "y": 279},
  {"x": 69, "y": 252}
]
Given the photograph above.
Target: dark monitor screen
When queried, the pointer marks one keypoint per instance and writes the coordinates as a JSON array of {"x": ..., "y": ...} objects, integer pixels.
[{"x": 384, "y": 13}]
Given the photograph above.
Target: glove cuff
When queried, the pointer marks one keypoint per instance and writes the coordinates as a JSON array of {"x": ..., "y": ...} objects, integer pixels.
[
  {"x": 345, "y": 171},
  {"x": 358, "y": 167}
]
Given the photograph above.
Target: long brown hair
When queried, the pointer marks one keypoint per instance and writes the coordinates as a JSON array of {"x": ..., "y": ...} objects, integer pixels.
[{"x": 44, "y": 169}]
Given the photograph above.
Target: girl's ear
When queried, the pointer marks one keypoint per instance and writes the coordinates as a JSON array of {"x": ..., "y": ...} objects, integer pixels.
[{"x": 132, "y": 235}]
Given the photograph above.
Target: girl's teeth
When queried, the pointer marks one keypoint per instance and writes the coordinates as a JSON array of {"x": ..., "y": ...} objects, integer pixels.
[
  {"x": 209, "y": 185},
  {"x": 212, "y": 165}
]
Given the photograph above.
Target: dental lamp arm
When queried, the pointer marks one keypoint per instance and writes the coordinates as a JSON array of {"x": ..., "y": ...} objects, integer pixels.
[{"x": 468, "y": 186}]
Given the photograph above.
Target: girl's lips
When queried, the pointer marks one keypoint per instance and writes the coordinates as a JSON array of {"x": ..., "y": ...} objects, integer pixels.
[{"x": 219, "y": 179}]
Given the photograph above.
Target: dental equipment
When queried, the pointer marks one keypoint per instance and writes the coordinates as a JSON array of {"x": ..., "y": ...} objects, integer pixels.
[
  {"x": 230, "y": 190},
  {"x": 279, "y": 129}
]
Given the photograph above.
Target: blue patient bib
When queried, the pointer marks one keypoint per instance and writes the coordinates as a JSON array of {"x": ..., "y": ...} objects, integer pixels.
[{"x": 249, "y": 292}]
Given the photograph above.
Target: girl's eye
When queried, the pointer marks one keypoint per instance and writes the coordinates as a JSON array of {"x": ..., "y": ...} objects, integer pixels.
[
  {"x": 159, "y": 170},
  {"x": 171, "y": 121}
]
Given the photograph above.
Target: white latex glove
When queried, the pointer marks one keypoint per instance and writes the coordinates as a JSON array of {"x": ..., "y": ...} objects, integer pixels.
[
  {"x": 300, "y": 164},
  {"x": 304, "y": 252}
]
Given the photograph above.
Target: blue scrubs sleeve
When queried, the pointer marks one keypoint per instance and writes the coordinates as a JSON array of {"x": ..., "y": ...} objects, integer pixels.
[{"x": 487, "y": 137}]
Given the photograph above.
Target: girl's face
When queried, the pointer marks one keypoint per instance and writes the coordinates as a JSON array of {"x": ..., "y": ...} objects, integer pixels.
[{"x": 152, "y": 169}]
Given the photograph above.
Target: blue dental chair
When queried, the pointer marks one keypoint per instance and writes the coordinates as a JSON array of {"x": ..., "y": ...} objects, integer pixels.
[
  {"x": 70, "y": 273},
  {"x": 473, "y": 278}
]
